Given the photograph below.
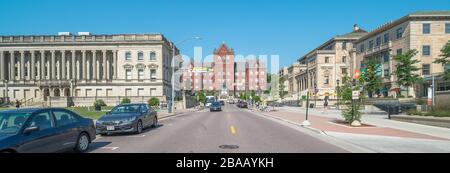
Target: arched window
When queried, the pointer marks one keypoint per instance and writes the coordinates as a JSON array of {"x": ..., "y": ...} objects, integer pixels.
[
  {"x": 140, "y": 56},
  {"x": 128, "y": 56},
  {"x": 152, "y": 56}
]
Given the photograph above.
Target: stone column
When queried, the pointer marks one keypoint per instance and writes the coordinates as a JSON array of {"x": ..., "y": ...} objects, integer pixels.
[
  {"x": 63, "y": 64},
  {"x": 94, "y": 64},
  {"x": 42, "y": 75},
  {"x": 12, "y": 63},
  {"x": 2, "y": 66},
  {"x": 33, "y": 66},
  {"x": 115, "y": 63},
  {"x": 22, "y": 65},
  {"x": 74, "y": 67},
  {"x": 104, "y": 65},
  {"x": 53, "y": 65},
  {"x": 83, "y": 62}
]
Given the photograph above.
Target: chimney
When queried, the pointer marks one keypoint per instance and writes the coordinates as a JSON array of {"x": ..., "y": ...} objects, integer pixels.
[{"x": 355, "y": 27}]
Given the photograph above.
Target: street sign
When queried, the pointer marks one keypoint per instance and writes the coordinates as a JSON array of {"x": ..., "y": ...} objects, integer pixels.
[
  {"x": 363, "y": 72},
  {"x": 355, "y": 95},
  {"x": 378, "y": 70},
  {"x": 357, "y": 74},
  {"x": 430, "y": 97}
]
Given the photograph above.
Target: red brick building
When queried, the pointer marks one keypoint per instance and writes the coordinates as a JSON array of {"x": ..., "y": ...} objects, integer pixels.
[{"x": 224, "y": 75}]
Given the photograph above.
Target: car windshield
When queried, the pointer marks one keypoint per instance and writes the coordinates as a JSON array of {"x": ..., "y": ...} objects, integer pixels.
[
  {"x": 125, "y": 109},
  {"x": 216, "y": 104},
  {"x": 11, "y": 123}
]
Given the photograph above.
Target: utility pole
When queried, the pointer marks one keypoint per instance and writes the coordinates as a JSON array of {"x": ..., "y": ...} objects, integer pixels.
[{"x": 306, "y": 122}]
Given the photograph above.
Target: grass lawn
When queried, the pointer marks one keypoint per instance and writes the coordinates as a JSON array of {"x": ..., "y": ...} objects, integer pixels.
[{"x": 89, "y": 112}]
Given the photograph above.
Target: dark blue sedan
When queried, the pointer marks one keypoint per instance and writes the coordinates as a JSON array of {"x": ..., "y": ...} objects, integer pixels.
[
  {"x": 215, "y": 106},
  {"x": 127, "y": 118},
  {"x": 44, "y": 131}
]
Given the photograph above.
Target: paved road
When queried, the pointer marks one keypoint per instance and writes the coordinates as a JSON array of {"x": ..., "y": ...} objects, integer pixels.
[{"x": 204, "y": 132}]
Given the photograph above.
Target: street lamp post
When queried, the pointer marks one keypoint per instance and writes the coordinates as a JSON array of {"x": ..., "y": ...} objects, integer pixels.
[
  {"x": 337, "y": 92},
  {"x": 172, "y": 96},
  {"x": 306, "y": 122}
]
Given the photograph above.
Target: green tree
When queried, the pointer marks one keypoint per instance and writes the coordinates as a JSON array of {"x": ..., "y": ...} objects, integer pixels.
[
  {"x": 153, "y": 102},
  {"x": 445, "y": 60},
  {"x": 282, "y": 88},
  {"x": 350, "y": 110},
  {"x": 100, "y": 103},
  {"x": 125, "y": 101},
  {"x": 406, "y": 69},
  {"x": 201, "y": 97},
  {"x": 373, "y": 81}
]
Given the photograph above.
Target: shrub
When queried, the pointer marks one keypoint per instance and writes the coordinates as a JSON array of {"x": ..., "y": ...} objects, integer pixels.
[
  {"x": 153, "y": 102},
  {"x": 100, "y": 103},
  {"x": 125, "y": 101},
  {"x": 414, "y": 112}
]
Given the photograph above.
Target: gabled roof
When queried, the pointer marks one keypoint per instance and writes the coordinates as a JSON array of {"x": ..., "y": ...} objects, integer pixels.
[{"x": 223, "y": 50}]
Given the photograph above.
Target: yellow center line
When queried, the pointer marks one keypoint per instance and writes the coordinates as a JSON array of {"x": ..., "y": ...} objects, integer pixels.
[{"x": 233, "y": 130}]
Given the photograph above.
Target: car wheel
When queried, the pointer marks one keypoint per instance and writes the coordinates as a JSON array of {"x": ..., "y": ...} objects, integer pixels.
[
  {"x": 155, "y": 122},
  {"x": 82, "y": 143},
  {"x": 139, "y": 127}
]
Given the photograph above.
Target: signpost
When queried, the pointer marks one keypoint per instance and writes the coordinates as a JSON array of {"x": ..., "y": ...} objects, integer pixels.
[{"x": 357, "y": 74}]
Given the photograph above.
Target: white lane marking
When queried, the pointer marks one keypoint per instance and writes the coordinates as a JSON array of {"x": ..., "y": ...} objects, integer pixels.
[
  {"x": 136, "y": 136},
  {"x": 110, "y": 148}
]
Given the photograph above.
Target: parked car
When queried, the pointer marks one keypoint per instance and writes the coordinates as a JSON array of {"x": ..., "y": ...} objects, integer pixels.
[
  {"x": 242, "y": 104},
  {"x": 127, "y": 118},
  {"x": 45, "y": 130},
  {"x": 215, "y": 106},
  {"x": 222, "y": 102}
]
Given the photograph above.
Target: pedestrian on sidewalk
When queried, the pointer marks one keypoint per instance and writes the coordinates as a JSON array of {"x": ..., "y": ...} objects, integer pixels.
[
  {"x": 17, "y": 104},
  {"x": 325, "y": 103}
]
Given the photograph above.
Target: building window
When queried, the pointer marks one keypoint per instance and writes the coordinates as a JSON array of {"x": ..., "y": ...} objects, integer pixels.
[
  {"x": 344, "y": 45},
  {"x": 370, "y": 44},
  {"x": 327, "y": 80},
  {"x": 128, "y": 56},
  {"x": 128, "y": 74},
  {"x": 141, "y": 74},
  {"x": 386, "y": 57},
  {"x": 140, "y": 56},
  {"x": 386, "y": 73},
  {"x": 327, "y": 59},
  {"x": 426, "y": 28},
  {"x": 425, "y": 69},
  {"x": 399, "y": 33},
  {"x": 153, "y": 74},
  {"x": 386, "y": 38},
  {"x": 361, "y": 48},
  {"x": 378, "y": 42},
  {"x": 426, "y": 50},
  {"x": 399, "y": 51},
  {"x": 447, "y": 28},
  {"x": 344, "y": 59},
  {"x": 152, "y": 56},
  {"x": 344, "y": 71}
]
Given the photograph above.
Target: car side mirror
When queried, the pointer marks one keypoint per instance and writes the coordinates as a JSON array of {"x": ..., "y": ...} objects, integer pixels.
[{"x": 31, "y": 129}]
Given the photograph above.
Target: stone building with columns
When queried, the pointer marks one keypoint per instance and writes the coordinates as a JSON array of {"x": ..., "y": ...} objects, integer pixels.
[
  {"x": 325, "y": 66},
  {"x": 77, "y": 69}
]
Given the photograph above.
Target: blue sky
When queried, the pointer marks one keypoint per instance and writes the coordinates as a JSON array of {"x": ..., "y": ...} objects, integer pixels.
[{"x": 289, "y": 28}]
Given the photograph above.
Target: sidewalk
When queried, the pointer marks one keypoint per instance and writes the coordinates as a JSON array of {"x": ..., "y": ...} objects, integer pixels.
[
  {"x": 164, "y": 113},
  {"x": 377, "y": 133}
]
